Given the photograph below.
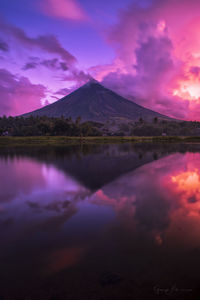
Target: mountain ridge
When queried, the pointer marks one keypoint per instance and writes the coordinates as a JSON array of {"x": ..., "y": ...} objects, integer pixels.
[{"x": 94, "y": 102}]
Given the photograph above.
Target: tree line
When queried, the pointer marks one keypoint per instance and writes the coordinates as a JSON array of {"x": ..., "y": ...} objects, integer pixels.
[
  {"x": 44, "y": 126},
  {"x": 47, "y": 126},
  {"x": 157, "y": 127}
]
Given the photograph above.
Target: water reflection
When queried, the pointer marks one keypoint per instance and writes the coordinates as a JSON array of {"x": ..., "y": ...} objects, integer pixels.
[
  {"x": 129, "y": 209},
  {"x": 161, "y": 197}
]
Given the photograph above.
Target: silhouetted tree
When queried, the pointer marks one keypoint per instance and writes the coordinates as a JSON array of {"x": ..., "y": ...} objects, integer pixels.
[
  {"x": 78, "y": 120},
  {"x": 155, "y": 120},
  {"x": 141, "y": 120}
]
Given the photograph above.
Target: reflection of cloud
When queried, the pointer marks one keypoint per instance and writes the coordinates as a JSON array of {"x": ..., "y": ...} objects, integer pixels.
[
  {"x": 159, "y": 199},
  {"x": 158, "y": 239},
  {"x": 19, "y": 176},
  {"x": 136, "y": 199},
  {"x": 184, "y": 186},
  {"x": 54, "y": 206},
  {"x": 117, "y": 203},
  {"x": 188, "y": 185},
  {"x": 154, "y": 203},
  {"x": 42, "y": 197},
  {"x": 33, "y": 205},
  {"x": 57, "y": 206},
  {"x": 55, "y": 222},
  {"x": 63, "y": 258},
  {"x": 7, "y": 222}
]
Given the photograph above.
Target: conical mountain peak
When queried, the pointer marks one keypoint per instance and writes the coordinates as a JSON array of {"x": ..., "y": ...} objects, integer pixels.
[
  {"x": 94, "y": 102},
  {"x": 91, "y": 81}
]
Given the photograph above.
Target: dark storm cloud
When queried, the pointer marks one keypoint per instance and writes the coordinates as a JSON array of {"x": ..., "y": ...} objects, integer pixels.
[{"x": 4, "y": 46}]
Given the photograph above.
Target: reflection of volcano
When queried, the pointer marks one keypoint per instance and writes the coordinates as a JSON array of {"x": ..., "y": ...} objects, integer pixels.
[
  {"x": 97, "y": 165},
  {"x": 139, "y": 223},
  {"x": 96, "y": 170}
]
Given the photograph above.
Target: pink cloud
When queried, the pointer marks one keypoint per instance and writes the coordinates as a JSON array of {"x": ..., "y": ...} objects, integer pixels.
[
  {"x": 157, "y": 57},
  {"x": 147, "y": 83},
  {"x": 64, "y": 9},
  {"x": 55, "y": 65},
  {"x": 18, "y": 95}
]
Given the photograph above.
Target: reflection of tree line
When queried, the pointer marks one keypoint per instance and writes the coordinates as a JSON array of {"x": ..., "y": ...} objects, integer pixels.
[
  {"x": 85, "y": 149},
  {"x": 97, "y": 165}
]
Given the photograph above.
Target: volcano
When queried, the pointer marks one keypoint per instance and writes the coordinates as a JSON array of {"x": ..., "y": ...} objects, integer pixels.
[{"x": 94, "y": 102}]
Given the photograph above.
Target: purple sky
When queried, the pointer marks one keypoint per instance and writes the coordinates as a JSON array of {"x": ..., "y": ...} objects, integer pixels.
[{"x": 146, "y": 50}]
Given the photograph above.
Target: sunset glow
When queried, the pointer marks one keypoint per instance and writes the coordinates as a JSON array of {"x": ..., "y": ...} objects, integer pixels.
[
  {"x": 189, "y": 90},
  {"x": 188, "y": 183},
  {"x": 161, "y": 26},
  {"x": 145, "y": 50}
]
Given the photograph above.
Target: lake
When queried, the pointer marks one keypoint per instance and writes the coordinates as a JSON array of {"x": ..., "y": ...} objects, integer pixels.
[{"x": 100, "y": 222}]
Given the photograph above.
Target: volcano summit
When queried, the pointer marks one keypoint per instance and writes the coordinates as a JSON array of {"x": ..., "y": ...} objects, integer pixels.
[{"x": 94, "y": 102}]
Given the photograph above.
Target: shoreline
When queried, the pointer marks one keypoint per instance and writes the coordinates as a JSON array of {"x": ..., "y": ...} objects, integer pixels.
[{"x": 65, "y": 140}]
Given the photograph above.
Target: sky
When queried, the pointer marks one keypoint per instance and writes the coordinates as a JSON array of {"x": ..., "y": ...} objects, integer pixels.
[{"x": 146, "y": 50}]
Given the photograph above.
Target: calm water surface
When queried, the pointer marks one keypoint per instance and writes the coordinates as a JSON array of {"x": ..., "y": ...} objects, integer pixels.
[{"x": 100, "y": 222}]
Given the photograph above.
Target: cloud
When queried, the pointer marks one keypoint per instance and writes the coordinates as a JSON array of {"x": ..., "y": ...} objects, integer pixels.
[
  {"x": 4, "y": 46},
  {"x": 146, "y": 83},
  {"x": 47, "y": 43},
  {"x": 63, "y": 9},
  {"x": 18, "y": 95},
  {"x": 195, "y": 70},
  {"x": 157, "y": 56},
  {"x": 52, "y": 64},
  {"x": 63, "y": 91},
  {"x": 24, "y": 176},
  {"x": 30, "y": 65},
  {"x": 77, "y": 76},
  {"x": 56, "y": 66}
]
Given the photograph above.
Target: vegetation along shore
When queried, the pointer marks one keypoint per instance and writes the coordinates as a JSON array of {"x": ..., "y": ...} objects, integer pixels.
[{"x": 65, "y": 140}]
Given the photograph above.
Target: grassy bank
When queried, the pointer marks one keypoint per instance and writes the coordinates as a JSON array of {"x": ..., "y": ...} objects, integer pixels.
[{"x": 64, "y": 140}]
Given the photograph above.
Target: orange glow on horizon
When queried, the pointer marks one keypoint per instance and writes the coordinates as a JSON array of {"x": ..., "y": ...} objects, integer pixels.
[
  {"x": 188, "y": 187},
  {"x": 186, "y": 49}
]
